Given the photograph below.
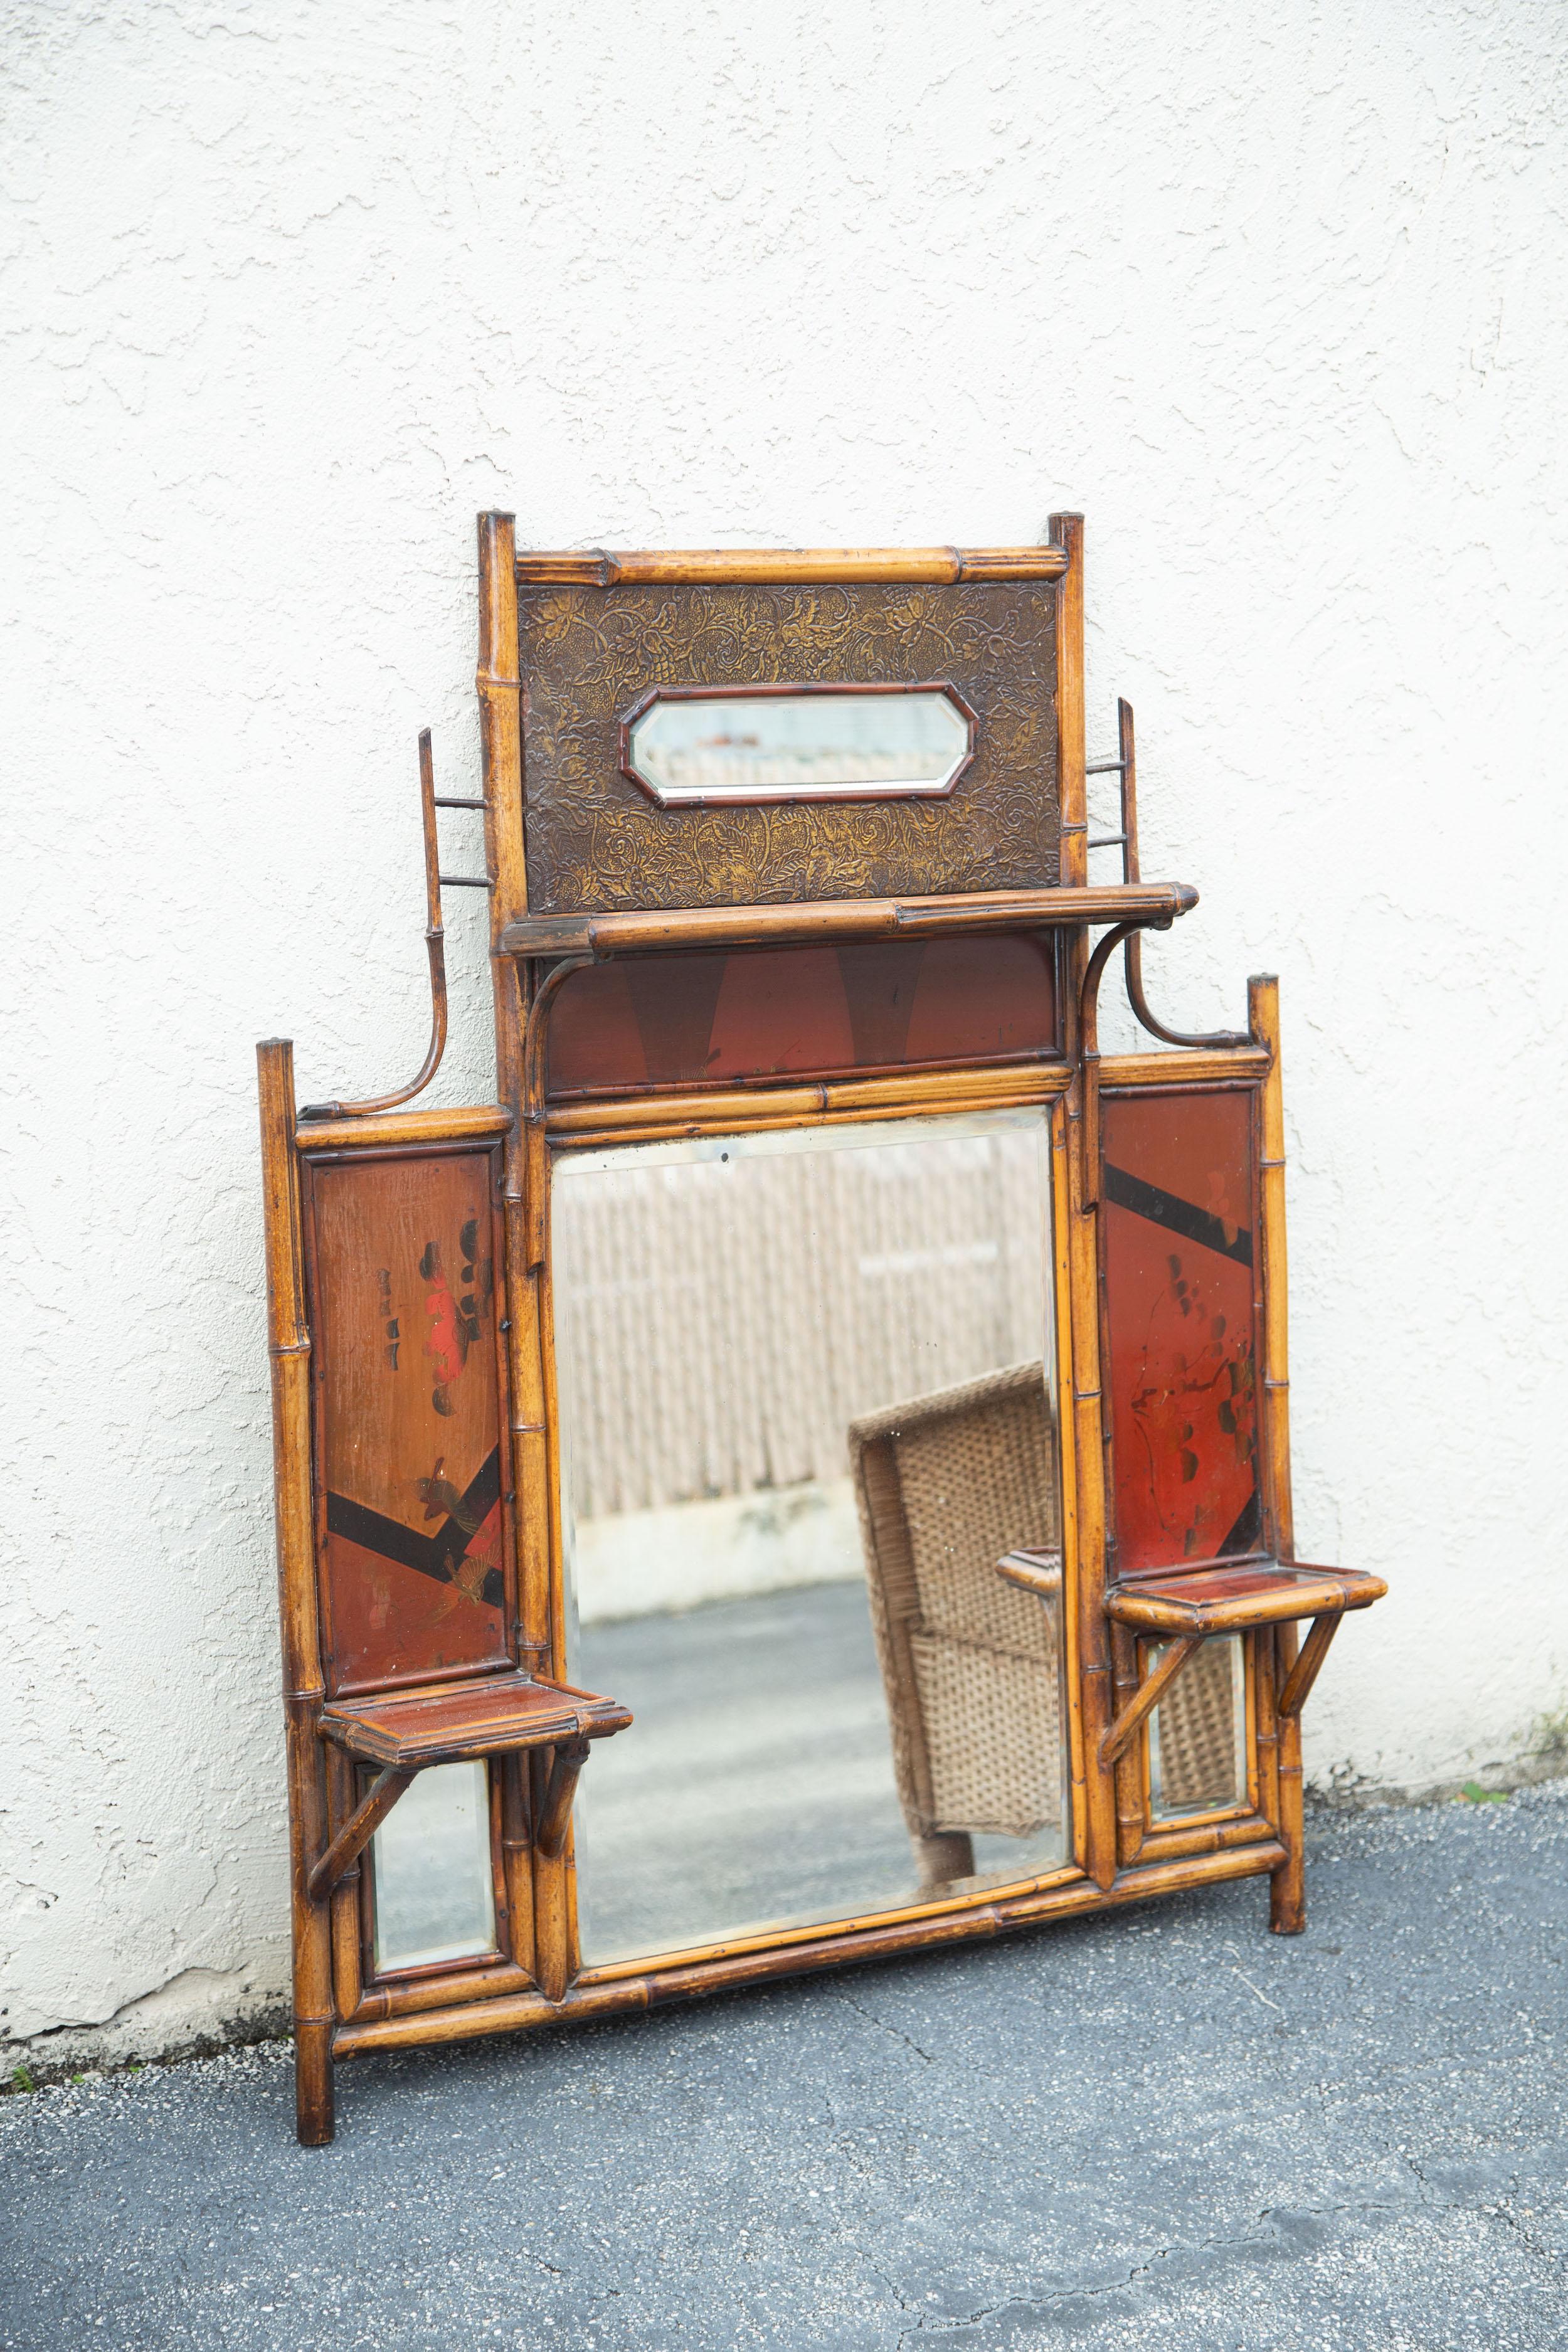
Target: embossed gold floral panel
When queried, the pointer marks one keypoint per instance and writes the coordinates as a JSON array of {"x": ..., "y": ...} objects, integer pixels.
[{"x": 590, "y": 655}]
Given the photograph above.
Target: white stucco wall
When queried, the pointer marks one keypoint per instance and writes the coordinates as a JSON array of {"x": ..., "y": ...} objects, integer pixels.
[{"x": 1273, "y": 293}]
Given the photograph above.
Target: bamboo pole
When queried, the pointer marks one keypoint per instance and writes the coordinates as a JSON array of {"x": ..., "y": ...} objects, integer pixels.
[
  {"x": 1287, "y": 1896},
  {"x": 597, "y": 567},
  {"x": 555, "y": 1886},
  {"x": 1265, "y": 1684},
  {"x": 1127, "y": 1756},
  {"x": 980, "y": 1086},
  {"x": 542, "y": 1904},
  {"x": 1072, "y": 755},
  {"x": 1207, "y": 1837},
  {"x": 516, "y": 1859},
  {"x": 1237, "y": 1066},
  {"x": 396, "y": 1129},
  {"x": 409, "y": 1996},
  {"x": 1084, "y": 1308},
  {"x": 347, "y": 1981},
  {"x": 288, "y": 1340},
  {"x": 1068, "y": 1615}
]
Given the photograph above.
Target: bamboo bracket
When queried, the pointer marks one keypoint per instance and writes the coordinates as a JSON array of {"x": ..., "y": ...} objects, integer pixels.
[
  {"x": 356, "y": 1832},
  {"x": 556, "y": 1813},
  {"x": 1088, "y": 1052},
  {"x": 1304, "y": 1673},
  {"x": 534, "y": 1146},
  {"x": 1125, "y": 766},
  {"x": 435, "y": 949},
  {"x": 1119, "y": 1738}
]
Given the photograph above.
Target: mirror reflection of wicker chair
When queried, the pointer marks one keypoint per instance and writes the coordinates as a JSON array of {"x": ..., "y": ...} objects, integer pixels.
[
  {"x": 946, "y": 1485},
  {"x": 1194, "y": 1763}
]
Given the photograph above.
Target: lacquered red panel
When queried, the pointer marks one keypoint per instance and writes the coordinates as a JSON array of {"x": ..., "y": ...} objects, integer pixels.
[
  {"x": 802, "y": 1012},
  {"x": 1182, "y": 1377},
  {"x": 402, "y": 1260}
]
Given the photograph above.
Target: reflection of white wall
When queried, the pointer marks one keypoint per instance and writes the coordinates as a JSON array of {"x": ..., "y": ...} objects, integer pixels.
[
  {"x": 286, "y": 304},
  {"x": 636, "y": 1563}
]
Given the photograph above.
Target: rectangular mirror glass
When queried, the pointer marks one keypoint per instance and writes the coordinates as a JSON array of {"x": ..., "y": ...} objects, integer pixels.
[
  {"x": 695, "y": 748},
  {"x": 432, "y": 1893},
  {"x": 1197, "y": 1761},
  {"x": 806, "y": 1405}
]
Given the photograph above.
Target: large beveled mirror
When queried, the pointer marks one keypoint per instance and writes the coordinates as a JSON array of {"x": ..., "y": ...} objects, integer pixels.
[{"x": 806, "y": 1405}]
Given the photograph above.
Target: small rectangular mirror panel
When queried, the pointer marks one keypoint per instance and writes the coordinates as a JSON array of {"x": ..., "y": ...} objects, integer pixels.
[
  {"x": 1197, "y": 1755},
  {"x": 806, "y": 1405},
  {"x": 432, "y": 1894}
]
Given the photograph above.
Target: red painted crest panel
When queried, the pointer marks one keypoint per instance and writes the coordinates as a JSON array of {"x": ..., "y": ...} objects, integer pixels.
[
  {"x": 408, "y": 1429},
  {"x": 800, "y": 1011},
  {"x": 1181, "y": 1379}
]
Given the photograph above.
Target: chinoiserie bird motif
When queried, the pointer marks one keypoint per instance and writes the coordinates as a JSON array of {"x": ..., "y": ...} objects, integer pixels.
[{"x": 441, "y": 1498}]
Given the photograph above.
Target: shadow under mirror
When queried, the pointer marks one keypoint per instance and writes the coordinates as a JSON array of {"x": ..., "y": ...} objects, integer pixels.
[{"x": 806, "y": 1406}]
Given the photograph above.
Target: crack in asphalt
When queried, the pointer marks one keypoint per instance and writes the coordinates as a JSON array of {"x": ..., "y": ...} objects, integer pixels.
[{"x": 881, "y": 2023}]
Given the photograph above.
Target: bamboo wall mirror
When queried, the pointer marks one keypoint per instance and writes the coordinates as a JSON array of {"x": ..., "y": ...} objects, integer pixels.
[{"x": 805, "y": 1473}]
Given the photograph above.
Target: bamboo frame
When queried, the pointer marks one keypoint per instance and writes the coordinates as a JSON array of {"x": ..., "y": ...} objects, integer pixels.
[{"x": 1119, "y": 1853}]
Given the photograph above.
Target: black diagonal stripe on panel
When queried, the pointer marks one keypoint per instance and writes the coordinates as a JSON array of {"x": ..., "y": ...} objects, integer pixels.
[
  {"x": 1246, "y": 1532},
  {"x": 483, "y": 1493},
  {"x": 1176, "y": 1215},
  {"x": 434, "y": 1556}
]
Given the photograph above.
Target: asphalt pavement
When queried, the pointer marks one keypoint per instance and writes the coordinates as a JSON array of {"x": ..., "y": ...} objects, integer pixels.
[{"x": 1162, "y": 2128}]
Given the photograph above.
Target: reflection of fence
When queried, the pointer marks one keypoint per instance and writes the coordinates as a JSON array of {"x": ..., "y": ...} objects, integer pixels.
[
  {"x": 738, "y": 768},
  {"x": 722, "y": 1324}
]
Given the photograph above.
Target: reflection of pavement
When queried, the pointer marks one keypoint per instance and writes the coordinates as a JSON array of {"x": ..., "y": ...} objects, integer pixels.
[{"x": 756, "y": 1783}]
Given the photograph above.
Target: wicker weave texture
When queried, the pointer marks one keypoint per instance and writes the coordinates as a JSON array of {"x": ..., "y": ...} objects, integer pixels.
[
  {"x": 970, "y": 1664},
  {"x": 1198, "y": 1764},
  {"x": 976, "y": 1481},
  {"x": 992, "y": 1734}
]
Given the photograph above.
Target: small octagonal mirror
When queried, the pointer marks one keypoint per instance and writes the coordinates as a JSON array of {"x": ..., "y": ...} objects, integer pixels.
[{"x": 695, "y": 747}]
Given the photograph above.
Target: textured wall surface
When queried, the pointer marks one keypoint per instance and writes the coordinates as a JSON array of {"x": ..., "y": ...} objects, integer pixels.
[{"x": 289, "y": 291}]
